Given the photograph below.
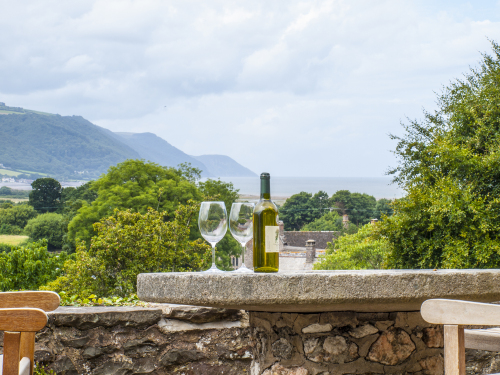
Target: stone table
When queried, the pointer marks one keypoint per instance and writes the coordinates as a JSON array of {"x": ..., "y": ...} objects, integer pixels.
[{"x": 332, "y": 322}]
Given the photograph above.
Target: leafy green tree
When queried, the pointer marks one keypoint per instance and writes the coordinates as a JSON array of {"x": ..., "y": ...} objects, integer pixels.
[
  {"x": 362, "y": 250},
  {"x": 49, "y": 226},
  {"x": 4, "y": 190},
  {"x": 295, "y": 212},
  {"x": 29, "y": 267},
  {"x": 130, "y": 243},
  {"x": 449, "y": 165},
  {"x": 14, "y": 219},
  {"x": 132, "y": 185},
  {"x": 383, "y": 207},
  {"x": 359, "y": 207},
  {"x": 331, "y": 221},
  {"x": 46, "y": 195}
]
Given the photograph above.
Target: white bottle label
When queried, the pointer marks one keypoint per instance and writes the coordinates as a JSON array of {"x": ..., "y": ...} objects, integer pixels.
[{"x": 272, "y": 234}]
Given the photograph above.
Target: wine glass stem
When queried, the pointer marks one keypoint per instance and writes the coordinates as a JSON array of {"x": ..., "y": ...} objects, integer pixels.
[
  {"x": 243, "y": 254},
  {"x": 213, "y": 255}
]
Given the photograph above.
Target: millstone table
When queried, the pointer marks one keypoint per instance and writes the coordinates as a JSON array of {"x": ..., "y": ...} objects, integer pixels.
[{"x": 331, "y": 322}]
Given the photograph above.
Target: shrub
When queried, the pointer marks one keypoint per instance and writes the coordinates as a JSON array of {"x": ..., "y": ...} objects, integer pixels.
[
  {"x": 49, "y": 226},
  {"x": 128, "y": 244},
  {"x": 29, "y": 267},
  {"x": 362, "y": 250}
]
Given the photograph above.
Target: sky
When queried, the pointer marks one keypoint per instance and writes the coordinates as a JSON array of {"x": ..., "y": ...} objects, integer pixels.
[{"x": 293, "y": 88}]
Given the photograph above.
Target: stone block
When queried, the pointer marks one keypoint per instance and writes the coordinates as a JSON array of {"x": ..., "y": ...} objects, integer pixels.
[
  {"x": 362, "y": 331},
  {"x": 392, "y": 347},
  {"x": 433, "y": 337}
]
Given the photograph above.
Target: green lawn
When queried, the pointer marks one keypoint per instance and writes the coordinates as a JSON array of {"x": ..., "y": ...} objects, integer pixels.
[
  {"x": 3, "y": 112},
  {"x": 9, "y": 172},
  {"x": 41, "y": 174},
  {"x": 11, "y": 239}
]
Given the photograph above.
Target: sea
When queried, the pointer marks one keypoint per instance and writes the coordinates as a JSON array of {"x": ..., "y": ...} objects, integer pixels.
[
  {"x": 283, "y": 187},
  {"x": 379, "y": 187}
]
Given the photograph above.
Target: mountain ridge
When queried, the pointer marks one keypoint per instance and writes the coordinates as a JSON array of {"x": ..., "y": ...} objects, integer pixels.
[{"x": 73, "y": 147}]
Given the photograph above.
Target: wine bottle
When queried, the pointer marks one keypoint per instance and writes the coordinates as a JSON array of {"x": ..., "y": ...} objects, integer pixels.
[{"x": 265, "y": 230}]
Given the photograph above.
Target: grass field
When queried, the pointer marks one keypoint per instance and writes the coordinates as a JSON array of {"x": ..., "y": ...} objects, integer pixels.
[
  {"x": 41, "y": 174},
  {"x": 2, "y": 112},
  {"x": 11, "y": 239},
  {"x": 9, "y": 172}
]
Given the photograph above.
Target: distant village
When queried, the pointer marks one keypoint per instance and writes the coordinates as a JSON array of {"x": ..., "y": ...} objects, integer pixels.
[{"x": 13, "y": 179}]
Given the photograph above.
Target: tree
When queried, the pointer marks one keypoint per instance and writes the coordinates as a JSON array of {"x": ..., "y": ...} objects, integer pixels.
[
  {"x": 133, "y": 185},
  {"x": 383, "y": 208},
  {"x": 46, "y": 195},
  {"x": 13, "y": 219},
  {"x": 331, "y": 221},
  {"x": 359, "y": 207},
  {"x": 4, "y": 190},
  {"x": 49, "y": 226},
  {"x": 362, "y": 250},
  {"x": 449, "y": 165},
  {"x": 130, "y": 243},
  {"x": 29, "y": 267},
  {"x": 296, "y": 211}
]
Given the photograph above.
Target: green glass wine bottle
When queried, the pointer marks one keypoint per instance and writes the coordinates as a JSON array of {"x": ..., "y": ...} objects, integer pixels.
[{"x": 265, "y": 230}]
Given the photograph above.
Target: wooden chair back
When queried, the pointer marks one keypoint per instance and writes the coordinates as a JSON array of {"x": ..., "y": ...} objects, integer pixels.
[
  {"x": 22, "y": 314},
  {"x": 454, "y": 315}
]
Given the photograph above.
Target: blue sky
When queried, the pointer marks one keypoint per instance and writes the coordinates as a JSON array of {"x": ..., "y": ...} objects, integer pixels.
[{"x": 295, "y": 88}]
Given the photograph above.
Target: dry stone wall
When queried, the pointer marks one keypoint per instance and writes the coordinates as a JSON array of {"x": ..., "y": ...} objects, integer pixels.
[{"x": 188, "y": 340}]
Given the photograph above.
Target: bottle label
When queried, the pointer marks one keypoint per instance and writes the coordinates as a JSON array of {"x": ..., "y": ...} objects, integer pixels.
[{"x": 272, "y": 234}]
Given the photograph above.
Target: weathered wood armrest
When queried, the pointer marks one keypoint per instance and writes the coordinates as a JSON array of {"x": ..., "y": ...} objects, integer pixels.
[{"x": 454, "y": 315}]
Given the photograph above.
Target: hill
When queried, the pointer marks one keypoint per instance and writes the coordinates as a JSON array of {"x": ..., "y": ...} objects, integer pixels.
[
  {"x": 224, "y": 166},
  {"x": 58, "y": 145},
  {"x": 71, "y": 147},
  {"x": 153, "y": 148}
]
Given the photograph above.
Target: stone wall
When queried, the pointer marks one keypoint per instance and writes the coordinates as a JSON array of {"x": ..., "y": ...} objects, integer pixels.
[
  {"x": 174, "y": 339},
  {"x": 159, "y": 340}
]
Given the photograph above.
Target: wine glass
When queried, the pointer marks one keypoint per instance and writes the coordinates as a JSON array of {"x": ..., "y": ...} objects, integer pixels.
[
  {"x": 241, "y": 227},
  {"x": 212, "y": 222}
]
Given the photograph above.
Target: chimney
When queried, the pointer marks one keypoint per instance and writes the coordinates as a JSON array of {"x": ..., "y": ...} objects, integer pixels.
[
  {"x": 310, "y": 251},
  {"x": 345, "y": 221}
]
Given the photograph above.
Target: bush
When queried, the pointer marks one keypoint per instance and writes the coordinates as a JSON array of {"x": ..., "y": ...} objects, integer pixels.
[
  {"x": 49, "y": 226},
  {"x": 128, "y": 244},
  {"x": 29, "y": 267},
  {"x": 14, "y": 219},
  {"x": 363, "y": 250}
]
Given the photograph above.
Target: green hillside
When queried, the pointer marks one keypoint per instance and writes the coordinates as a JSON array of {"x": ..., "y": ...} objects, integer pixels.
[{"x": 58, "y": 145}]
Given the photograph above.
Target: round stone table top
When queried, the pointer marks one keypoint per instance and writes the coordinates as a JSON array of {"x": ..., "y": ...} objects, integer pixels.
[{"x": 316, "y": 291}]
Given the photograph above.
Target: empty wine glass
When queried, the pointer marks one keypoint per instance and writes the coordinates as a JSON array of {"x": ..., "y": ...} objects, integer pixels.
[
  {"x": 241, "y": 227},
  {"x": 212, "y": 222}
]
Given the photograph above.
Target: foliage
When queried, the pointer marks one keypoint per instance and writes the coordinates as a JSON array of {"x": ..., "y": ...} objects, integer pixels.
[
  {"x": 50, "y": 226},
  {"x": 449, "y": 165},
  {"x": 329, "y": 221},
  {"x": 40, "y": 369},
  {"x": 29, "y": 267},
  {"x": 303, "y": 208},
  {"x": 14, "y": 219},
  {"x": 93, "y": 300},
  {"x": 130, "y": 243},
  {"x": 46, "y": 195},
  {"x": 11, "y": 193},
  {"x": 383, "y": 207},
  {"x": 5, "y": 248},
  {"x": 359, "y": 207},
  {"x": 132, "y": 185},
  {"x": 363, "y": 250}
]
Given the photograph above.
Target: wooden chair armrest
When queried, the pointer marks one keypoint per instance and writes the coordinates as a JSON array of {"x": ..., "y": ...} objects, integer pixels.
[
  {"x": 47, "y": 301},
  {"x": 453, "y": 312},
  {"x": 22, "y": 320}
]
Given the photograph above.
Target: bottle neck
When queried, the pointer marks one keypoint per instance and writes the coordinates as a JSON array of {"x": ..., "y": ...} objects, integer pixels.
[{"x": 265, "y": 188}]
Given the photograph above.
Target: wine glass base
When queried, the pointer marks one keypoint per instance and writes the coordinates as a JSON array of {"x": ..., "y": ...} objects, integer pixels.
[
  {"x": 243, "y": 269},
  {"x": 213, "y": 269}
]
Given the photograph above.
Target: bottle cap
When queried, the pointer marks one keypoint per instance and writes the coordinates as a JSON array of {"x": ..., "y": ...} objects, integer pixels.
[{"x": 265, "y": 175}]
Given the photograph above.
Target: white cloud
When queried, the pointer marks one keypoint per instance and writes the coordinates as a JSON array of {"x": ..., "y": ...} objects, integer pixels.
[{"x": 296, "y": 88}]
